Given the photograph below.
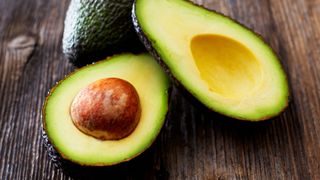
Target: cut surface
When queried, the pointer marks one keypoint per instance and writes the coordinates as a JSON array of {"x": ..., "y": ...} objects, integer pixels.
[
  {"x": 151, "y": 85},
  {"x": 223, "y": 64}
]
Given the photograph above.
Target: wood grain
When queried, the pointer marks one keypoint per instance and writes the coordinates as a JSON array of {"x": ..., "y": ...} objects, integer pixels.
[{"x": 194, "y": 143}]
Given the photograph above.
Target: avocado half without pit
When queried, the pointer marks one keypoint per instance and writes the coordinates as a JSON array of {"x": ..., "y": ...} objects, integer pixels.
[
  {"x": 109, "y": 112},
  {"x": 223, "y": 64}
]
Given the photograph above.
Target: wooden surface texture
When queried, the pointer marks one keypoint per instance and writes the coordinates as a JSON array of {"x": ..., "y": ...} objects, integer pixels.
[{"x": 193, "y": 144}]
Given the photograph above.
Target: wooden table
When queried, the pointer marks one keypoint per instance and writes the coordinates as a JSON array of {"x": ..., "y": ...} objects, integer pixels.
[{"x": 193, "y": 144}]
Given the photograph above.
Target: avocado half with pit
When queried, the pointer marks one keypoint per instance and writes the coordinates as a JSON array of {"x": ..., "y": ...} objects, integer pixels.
[
  {"x": 109, "y": 112},
  {"x": 223, "y": 64}
]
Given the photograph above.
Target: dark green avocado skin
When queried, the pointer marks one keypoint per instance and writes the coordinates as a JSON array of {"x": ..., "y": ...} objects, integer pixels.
[{"x": 95, "y": 29}]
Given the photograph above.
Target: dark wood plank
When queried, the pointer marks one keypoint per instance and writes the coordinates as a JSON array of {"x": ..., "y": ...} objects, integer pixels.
[
  {"x": 194, "y": 143},
  {"x": 30, "y": 63}
]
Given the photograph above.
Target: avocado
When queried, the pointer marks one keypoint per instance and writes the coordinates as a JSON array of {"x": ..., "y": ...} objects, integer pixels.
[
  {"x": 98, "y": 28},
  {"x": 223, "y": 64},
  {"x": 108, "y": 112}
]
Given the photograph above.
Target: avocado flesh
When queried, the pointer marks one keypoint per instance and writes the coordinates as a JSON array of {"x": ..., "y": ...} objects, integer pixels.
[
  {"x": 151, "y": 84},
  {"x": 227, "y": 67}
]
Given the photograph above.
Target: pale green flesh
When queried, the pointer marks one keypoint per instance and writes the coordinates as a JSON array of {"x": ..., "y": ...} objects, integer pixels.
[
  {"x": 223, "y": 64},
  {"x": 151, "y": 84}
]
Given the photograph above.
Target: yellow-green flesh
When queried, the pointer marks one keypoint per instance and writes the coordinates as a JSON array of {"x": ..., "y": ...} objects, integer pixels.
[
  {"x": 151, "y": 84},
  {"x": 223, "y": 64}
]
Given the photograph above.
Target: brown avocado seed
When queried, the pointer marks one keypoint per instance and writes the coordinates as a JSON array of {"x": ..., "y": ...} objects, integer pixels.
[{"x": 107, "y": 109}]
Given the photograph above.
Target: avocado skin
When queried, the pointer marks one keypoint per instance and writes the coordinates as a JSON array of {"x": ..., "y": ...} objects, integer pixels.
[{"x": 98, "y": 28}]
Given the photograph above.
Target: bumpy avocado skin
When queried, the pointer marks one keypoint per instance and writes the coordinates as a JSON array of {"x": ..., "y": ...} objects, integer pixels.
[{"x": 98, "y": 28}]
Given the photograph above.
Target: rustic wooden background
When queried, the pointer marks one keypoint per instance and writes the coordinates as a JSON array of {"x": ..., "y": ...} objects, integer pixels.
[{"x": 193, "y": 144}]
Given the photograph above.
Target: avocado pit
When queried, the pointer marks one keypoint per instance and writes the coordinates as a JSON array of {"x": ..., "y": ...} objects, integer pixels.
[{"x": 107, "y": 109}]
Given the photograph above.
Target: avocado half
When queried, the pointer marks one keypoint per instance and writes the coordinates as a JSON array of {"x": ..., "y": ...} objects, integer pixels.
[
  {"x": 98, "y": 28},
  {"x": 152, "y": 86},
  {"x": 223, "y": 64}
]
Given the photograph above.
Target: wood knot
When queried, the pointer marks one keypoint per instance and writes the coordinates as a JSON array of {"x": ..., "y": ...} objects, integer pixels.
[{"x": 22, "y": 42}]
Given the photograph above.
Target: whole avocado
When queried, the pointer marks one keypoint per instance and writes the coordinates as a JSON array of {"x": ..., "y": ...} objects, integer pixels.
[{"x": 95, "y": 29}]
